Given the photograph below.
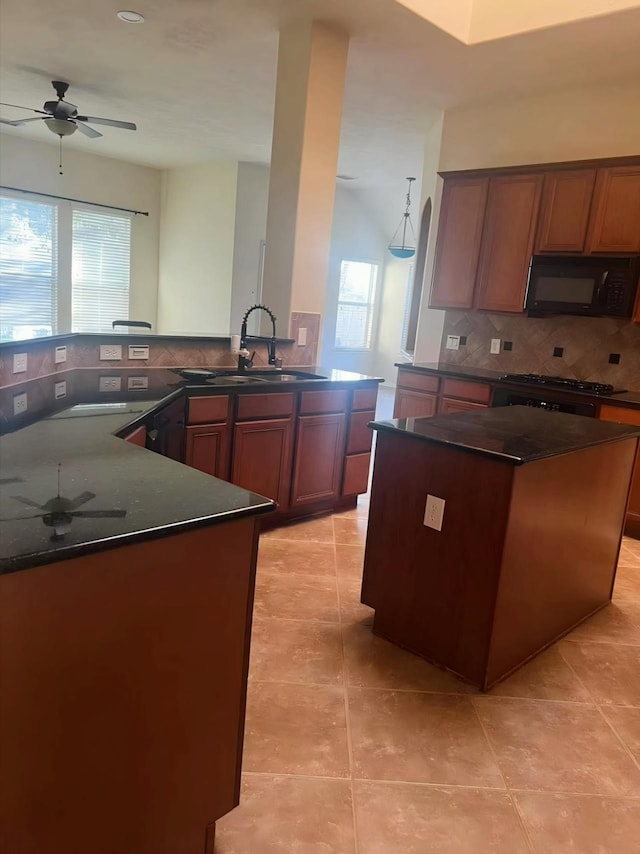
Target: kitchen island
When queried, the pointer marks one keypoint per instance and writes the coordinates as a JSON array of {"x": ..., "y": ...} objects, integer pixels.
[{"x": 527, "y": 545}]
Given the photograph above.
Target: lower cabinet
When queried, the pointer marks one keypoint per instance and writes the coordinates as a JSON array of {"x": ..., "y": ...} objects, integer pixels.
[
  {"x": 414, "y": 404},
  {"x": 319, "y": 458},
  {"x": 448, "y": 405},
  {"x": 207, "y": 449},
  {"x": 261, "y": 462},
  {"x": 628, "y": 416}
]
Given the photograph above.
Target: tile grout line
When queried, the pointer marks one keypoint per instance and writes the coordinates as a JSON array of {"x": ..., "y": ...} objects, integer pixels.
[{"x": 512, "y": 799}]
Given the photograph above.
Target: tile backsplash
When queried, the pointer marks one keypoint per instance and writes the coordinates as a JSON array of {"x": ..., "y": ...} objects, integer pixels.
[{"x": 586, "y": 343}]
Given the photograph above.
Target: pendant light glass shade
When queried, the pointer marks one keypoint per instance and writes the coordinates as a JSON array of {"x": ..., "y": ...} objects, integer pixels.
[{"x": 406, "y": 247}]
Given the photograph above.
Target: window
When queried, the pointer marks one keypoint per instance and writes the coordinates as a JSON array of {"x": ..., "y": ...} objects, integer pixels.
[
  {"x": 356, "y": 301},
  {"x": 406, "y": 317},
  {"x": 63, "y": 267}
]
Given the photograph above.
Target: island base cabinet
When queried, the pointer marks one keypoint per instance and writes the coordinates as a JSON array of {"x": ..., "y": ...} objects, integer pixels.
[
  {"x": 320, "y": 450},
  {"x": 525, "y": 552},
  {"x": 124, "y": 679},
  {"x": 262, "y": 458}
]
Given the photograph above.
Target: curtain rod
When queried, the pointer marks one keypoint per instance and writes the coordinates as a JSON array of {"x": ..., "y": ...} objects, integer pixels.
[{"x": 79, "y": 201}]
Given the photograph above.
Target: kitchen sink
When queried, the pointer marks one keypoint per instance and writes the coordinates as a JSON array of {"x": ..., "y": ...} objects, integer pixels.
[{"x": 263, "y": 377}]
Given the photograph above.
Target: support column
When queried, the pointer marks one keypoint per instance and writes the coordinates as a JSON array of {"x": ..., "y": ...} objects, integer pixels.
[{"x": 312, "y": 61}]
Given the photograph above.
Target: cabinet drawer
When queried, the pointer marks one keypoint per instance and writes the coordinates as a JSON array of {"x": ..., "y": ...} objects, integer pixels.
[
  {"x": 467, "y": 391},
  {"x": 360, "y": 435},
  {"x": 312, "y": 402},
  {"x": 447, "y": 406},
  {"x": 356, "y": 474},
  {"x": 365, "y": 398},
  {"x": 421, "y": 382},
  {"x": 264, "y": 405},
  {"x": 620, "y": 414},
  {"x": 207, "y": 410},
  {"x": 413, "y": 404}
]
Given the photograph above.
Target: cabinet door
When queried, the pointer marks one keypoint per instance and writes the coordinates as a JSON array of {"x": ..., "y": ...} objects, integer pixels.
[
  {"x": 137, "y": 437},
  {"x": 207, "y": 449},
  {"x": 262, "y": 458},
  {"x": 414, "y": 404},
  {"x": 615, "y": 217},
  {"x": 507, "y": 242},
  {"x": 458, "y": 245},
  {"x": 448, "y": 406},
  {"x": 320, "y": 450},
  {"x": 564, "y": 216},
  {"x": 167, "y": 434}
]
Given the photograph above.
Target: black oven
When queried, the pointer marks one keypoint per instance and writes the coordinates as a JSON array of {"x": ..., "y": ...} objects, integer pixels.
[
  {"x": 592, "y": 287},
  {"x": 542, "y": 400}
]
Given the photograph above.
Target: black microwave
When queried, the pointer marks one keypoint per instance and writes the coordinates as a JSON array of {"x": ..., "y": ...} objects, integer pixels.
[{"x": 591, "y": 287}]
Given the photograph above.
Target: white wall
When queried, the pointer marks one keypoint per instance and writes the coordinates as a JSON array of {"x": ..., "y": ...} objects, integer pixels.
[
  {"x": 196, "y": 248},
  {"x": 30, "y": 165},
  {"x": 392, "y": 303},
  {"x": 252, "y": 197},
  {"x": 355, "y": 236}
]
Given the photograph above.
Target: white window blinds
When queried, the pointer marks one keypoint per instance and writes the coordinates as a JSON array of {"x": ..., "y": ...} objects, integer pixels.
[
  {"x": 100, "y": 270},
  {"x": 28, "y": 268}
]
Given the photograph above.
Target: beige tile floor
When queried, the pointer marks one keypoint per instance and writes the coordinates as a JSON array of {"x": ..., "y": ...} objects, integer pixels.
[{"x": 354, "y": 746}]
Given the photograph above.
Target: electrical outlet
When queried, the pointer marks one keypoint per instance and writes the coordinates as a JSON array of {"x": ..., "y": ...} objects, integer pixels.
[
  {"x": 302, "y": 336},
  {"x": 434, "y": 512},
  {"x": 60, "y": 389},
  {"x": 110, "y": 352},
  {"x": 453, "y": 342},
  {"x": 19, "y": 403},
  {"x": 137, "y": 383},
  {"x": 495, "y": 346},
  {"x": 60, "y": 355},
  {"x": 138, "y": 351},
  {"x": 110, "y": 384},
  {"x": 19, "y": 363}
]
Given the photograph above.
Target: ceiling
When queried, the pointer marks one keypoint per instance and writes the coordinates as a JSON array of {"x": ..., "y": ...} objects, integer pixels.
[{"x": 198, "y": 77}]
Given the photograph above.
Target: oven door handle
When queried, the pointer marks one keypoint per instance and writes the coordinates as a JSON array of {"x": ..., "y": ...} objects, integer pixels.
[{"x": 603, "y": 282}]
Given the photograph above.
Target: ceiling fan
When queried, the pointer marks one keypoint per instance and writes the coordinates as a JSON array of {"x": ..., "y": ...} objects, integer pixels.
[{"x": 62, "y": 118}]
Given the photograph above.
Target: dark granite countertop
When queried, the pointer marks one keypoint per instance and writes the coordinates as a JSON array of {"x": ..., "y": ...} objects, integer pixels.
[
  {"x": 512, "y": 434},
  {"x": 155, "y": 496},
  {"x": 629, "y": 399}
]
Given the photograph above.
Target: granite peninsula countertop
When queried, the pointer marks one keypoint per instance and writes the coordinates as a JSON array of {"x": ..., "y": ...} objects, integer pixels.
[
  {"x": 629, "y": 398},
  {"x": 512, "y": 434},
  {"x": 130, "y": 493}
]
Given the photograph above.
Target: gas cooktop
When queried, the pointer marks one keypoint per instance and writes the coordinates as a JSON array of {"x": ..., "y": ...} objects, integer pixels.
[{"x": 561, "y": 383}]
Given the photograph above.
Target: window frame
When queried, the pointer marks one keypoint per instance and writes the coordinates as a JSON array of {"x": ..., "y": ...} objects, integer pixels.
[{"x": 372, "y": 306}]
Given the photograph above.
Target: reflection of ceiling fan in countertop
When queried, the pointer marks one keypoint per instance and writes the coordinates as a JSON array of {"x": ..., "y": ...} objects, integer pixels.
[{"x": 62, "y": 118}]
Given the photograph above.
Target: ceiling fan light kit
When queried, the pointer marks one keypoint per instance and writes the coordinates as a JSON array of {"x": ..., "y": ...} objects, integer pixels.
[
  {"x": 404, "y": 249},
  {"x": 61, "y": 117}
]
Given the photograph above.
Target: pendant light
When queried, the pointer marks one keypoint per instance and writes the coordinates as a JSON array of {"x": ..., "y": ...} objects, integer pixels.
[{"x": 404, "y": 249}]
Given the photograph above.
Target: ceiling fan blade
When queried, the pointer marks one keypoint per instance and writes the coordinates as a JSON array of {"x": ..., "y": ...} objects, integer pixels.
[
  {"x": 113, "y": 123},
  {"x": 6, "y": 480},
  {"x": 81, "y": 499},
  {"x": 99, "y": 514},
  {"x": 22, "y": 518},
  {"x": 27, "y": 501},
  {"x": 18, "y": 107},
  {"x": 16, "y": 123},
  {"x": 86, "y": 130}
]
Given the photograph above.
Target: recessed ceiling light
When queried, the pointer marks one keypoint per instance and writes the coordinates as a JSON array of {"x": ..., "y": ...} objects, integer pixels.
[{"x": 130, "y": 17}]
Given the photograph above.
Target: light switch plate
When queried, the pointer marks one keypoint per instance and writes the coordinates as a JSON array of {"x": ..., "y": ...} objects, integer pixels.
[
  {"x": 110, "y": 352},
  {"x": 434, "y": 512},
  {"x": 60, "y": 389},
  {"x": 302, "y": 336},
  {"x": 495, "y": 346},
  {"x": 20, "y": 403},
  {"x": 60, "y": 355},
  {"x": 138, "y": 351},
  {"x": 453, "y": 342},
  {"x": 136, "y": 383},
  {"x": 19, "y": 363}
]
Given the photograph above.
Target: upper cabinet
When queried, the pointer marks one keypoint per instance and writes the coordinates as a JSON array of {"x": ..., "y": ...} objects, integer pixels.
[
  {"x": 507, "y": 242},
  {"x": 458, "y": 244},
  {"x": 615, "y": 218},
  {"x": 564, "y": 213}
]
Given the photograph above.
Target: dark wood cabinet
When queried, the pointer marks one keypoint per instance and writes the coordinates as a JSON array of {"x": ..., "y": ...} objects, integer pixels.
[
  {"x": 137, "y": 436},
  {"x": 262, "y": 458},
  {"x": 615, "y": 221},
  {"x": 320, "y": 451},
  {"x": 462, "y": 214},
  {"x": 447, "y": 406},
  {"x": 166, "y": 435},
  {"x": 565, "y": 208},
  {"x": 628, "y": 416},
  {"x": 414, "y": 404},
  {"x": 207, "y": 449},
  {"x": 507, "y": 242}
]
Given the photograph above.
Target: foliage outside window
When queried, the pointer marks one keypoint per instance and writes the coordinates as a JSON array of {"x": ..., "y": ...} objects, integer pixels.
[{"x": 356, "y": 303}]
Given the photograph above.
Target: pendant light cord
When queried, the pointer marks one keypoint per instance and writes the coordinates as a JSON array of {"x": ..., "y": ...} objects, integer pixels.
[{"x": 60, "y": 163}]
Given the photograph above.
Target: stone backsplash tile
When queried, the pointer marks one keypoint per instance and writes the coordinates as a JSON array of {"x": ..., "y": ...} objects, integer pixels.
[
  {"x": 307, "y": 354},
  {"x": 587, "y": 343}
]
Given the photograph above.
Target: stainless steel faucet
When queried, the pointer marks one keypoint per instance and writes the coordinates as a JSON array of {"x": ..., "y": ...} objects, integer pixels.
[{"x": 244, "y": 360}]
